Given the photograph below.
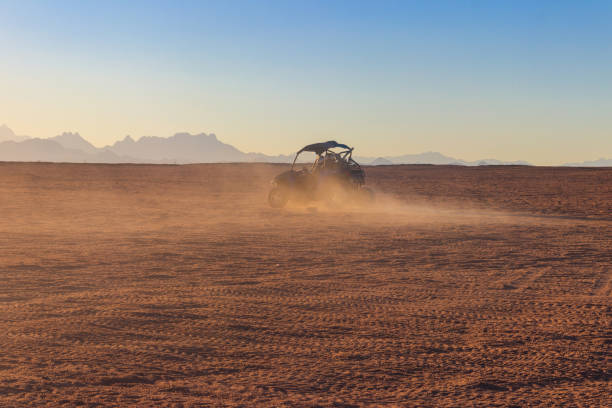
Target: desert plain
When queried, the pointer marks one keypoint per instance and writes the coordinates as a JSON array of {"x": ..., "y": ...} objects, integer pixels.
[{"x": 162, "y": 285}]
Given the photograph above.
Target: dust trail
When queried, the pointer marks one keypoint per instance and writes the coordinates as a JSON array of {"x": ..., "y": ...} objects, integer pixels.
[{"x": 390, "y": 209}]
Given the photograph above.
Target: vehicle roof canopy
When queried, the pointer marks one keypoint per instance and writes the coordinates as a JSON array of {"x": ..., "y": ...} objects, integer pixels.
[{"x": 319, "y": 148}]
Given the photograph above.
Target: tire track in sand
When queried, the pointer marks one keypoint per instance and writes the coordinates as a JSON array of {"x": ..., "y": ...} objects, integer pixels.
[{"x": 603, "y": 285}]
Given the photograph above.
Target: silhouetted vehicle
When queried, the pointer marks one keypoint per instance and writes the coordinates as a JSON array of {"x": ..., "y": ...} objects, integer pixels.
[{"x": 334, "y": 177}]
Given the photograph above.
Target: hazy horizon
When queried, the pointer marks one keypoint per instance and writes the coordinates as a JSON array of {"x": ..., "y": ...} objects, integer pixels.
[{"x": 511, "y": 81}]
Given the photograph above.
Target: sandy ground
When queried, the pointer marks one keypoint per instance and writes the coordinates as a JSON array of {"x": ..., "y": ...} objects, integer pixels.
[{"x": 178, "y": 286}]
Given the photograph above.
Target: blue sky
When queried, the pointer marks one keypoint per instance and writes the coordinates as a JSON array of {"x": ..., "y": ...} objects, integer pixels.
[{"x": 479, "y": 79}]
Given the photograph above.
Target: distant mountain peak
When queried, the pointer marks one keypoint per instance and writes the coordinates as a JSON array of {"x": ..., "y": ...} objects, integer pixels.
[
  {"x": 601, "y": 162},
  {"x": 73, "y": 140},
  {"x": 381, "y": 161},
  {"x": 7, "y": 134},
  {"x": 70, "y": 137}
]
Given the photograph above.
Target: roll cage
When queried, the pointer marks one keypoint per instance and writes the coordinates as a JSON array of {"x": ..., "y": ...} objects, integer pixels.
[{"x": 326, "y": 157}]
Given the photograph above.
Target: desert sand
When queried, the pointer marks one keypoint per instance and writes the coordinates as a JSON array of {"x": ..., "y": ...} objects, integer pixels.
[{"x": 161, "y": 285}]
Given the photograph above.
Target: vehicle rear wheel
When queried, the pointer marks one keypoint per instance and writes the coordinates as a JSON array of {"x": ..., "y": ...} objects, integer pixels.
[{"x": 277, "y": 197}]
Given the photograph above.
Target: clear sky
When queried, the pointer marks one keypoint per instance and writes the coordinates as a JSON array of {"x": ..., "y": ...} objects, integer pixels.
[{"x": 472, "y": 79}]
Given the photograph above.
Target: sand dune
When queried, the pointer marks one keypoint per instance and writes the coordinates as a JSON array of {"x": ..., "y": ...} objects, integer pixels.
[{"x": 154, "y": 285}]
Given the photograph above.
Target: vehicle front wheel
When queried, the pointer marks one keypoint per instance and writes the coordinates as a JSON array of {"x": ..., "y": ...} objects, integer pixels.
[{"x": 278, "y": 197}]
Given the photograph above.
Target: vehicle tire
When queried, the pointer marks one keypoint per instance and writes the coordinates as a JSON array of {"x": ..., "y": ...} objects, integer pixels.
[{"x": 278, "y": 197}]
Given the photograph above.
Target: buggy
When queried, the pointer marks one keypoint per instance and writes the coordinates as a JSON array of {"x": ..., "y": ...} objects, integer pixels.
[{"x": 334, "y": 177}]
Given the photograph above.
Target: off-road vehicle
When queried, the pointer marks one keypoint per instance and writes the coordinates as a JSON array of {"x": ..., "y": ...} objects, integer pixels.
[{"x": 333, "y": 177}]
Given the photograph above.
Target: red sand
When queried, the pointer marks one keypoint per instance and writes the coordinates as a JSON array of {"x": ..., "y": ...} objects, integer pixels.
[{"x": 178, "y": 286}]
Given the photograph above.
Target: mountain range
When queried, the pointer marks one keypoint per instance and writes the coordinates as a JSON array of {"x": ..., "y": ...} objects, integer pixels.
[{"x": 187, "y": 148}]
